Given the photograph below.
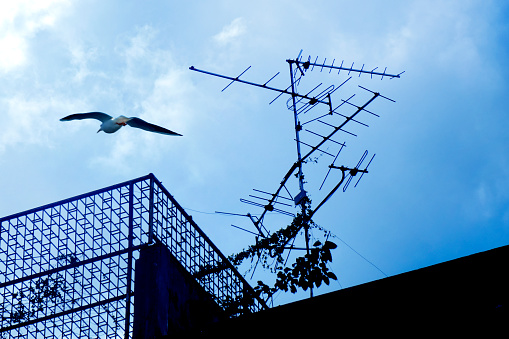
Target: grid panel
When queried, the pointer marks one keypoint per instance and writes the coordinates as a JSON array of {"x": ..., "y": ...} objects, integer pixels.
[{"x": 67, "y": 269}]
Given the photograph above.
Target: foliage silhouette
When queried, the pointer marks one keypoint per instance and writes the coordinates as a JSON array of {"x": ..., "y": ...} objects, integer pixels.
[
  {"x": 306, "y": 272},
  {"x": 42, "y": 293}
]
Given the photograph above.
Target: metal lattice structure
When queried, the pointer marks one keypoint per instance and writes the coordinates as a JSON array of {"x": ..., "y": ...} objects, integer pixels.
[{"x": 67, "y": 268}]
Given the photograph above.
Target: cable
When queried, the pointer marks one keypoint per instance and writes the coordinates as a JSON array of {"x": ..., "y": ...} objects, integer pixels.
[
  {"x": 360, "y": 255},
  {"x": 190, "y": 209}
]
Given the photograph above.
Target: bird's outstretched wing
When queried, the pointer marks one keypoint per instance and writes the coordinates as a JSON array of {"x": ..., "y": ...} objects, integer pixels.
[
  {"x": 91, "y": 115},
  {"x": 139, "y": 123}
]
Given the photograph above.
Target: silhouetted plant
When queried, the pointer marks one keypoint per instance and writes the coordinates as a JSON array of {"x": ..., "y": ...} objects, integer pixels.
[
  {"x": 43, "y": 292},
  {"x": 306, "y": 272}
]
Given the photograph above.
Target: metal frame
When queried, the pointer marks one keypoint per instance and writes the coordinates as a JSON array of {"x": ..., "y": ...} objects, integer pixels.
[{"x": 67, "y": 268}]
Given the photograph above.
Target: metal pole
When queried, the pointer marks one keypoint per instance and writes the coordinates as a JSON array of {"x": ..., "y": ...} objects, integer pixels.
[
  {"x": 298, "y": 128},
  {"x": 151, "y": 212},
  {"x": 129, "y": 262}
]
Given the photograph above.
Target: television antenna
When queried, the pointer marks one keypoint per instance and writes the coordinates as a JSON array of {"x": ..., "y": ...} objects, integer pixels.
[{"x": 301, "y": 103}]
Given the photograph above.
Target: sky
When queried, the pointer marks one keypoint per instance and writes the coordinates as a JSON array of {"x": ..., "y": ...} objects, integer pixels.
[{"x": 438, "y": 188}]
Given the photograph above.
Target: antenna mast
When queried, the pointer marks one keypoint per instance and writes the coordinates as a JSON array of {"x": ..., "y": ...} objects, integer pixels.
[{"x": 300, "y": 104}]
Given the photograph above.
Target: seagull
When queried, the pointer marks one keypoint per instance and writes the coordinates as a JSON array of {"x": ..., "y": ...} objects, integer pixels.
[{"x": 110, "y": 125}]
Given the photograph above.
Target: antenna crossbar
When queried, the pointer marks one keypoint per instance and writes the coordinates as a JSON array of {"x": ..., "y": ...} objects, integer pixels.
[
  {"x": 334, "y": 141},
  {"x": 267, "y": 207},
  {"x": 275, "y": 202},
  {"x": 282, "y": 91},
  {"x": 325, "y": 152},
  {"x": 257, "y": 190}
]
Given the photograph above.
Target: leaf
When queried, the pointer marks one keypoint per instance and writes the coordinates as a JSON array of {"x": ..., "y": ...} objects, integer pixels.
[
  {"x": 318, "y": 281},
  {"x": 326, "y": 256},
  {"x": 330, "y": 245},
  {"x": 317, "y": 243},
  {"x": 332, "y": 276}
]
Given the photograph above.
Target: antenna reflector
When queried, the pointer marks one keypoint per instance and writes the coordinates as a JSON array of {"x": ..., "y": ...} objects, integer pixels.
[
  {"x": 365, "y": 170},
  {"x": 274, "y": 202},
  {"x": 277, "y": 196},
  {"x": 314, "y": 147},
  {"x": 331, "y": 165},
  {"x": 353, "y": 172},
  {"x": 269, "y": 208},
  {"x": 265, "y": 84},
  {"x": 248, "y": 231},
  {"x": 376, "y": 93},
  {"x": 237, "y": 78}
]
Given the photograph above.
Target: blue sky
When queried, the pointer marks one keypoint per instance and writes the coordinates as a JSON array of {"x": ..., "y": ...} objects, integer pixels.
[{"x": 438, "y": 188}]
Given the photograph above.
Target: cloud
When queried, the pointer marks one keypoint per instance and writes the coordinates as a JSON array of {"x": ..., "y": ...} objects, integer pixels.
[
  {"x": 132, "y": 149},
  {"x": 147, "y": 82},
  {"x": 142, "y": 61},
  {"x": 80, "y": 57},
  {"x": 12, "y": 49},
  {"x": 456, "y": 35},
  {"x": 19, "y": 22},
  {"x": 138, "y": 46},
  {"x": 31, "y": 120},
  {"x": 231, "y": 32},
  {"x": 153, "y": 87},
  {"x": 450, "y": 37},
  {"x": 123, "y": 149}
]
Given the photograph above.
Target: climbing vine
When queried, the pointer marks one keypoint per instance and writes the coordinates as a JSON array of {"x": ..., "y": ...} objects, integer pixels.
[
  {"x": 306, "y": 272},
  {"x": 42, "y": 293}
]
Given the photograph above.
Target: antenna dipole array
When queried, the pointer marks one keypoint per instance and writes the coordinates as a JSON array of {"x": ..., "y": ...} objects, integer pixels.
[
  {"x": 300, "y": 104},
  {"x": 306, "y": 64}
]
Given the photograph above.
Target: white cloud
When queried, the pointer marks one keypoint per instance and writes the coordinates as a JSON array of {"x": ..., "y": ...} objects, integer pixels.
[
  {"x": 153, "y": 88},
  {"x": 447, "y": 36},
  {"x": 19, "y": 22},
  {"x": 124, "y": 149},
  {"x": 80, "y": 58},
  {"x": 231, "y": 32},
  {"x": 31, "y": 120},
  {"x": 139, "y": 44},
  {"x": 166, "y": 105},
  {"x": 452, "y": 33},
  {"x": 168, "y": 101},
  {"x": 143, "y": 61},
  {"x": 12, "y": 49}
]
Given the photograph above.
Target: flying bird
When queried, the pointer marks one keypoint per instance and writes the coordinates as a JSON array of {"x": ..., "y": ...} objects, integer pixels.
[{"x": 110, "y": 125}]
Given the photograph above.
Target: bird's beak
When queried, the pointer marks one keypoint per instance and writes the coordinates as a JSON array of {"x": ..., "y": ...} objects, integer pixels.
[{"x": 99, "y": 130}]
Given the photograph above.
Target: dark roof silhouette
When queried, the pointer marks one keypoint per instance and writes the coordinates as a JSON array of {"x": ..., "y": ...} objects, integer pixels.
[{"x": 462, "y": 296}]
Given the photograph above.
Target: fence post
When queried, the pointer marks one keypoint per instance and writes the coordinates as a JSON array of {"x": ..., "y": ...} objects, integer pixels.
[
  {"x": 129, "y": 262},
  {"x": 151, "y": 212}
]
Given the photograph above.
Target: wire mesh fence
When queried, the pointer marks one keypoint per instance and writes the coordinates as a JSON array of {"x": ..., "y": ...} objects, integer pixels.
[{"x": 67, "y": 268}]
